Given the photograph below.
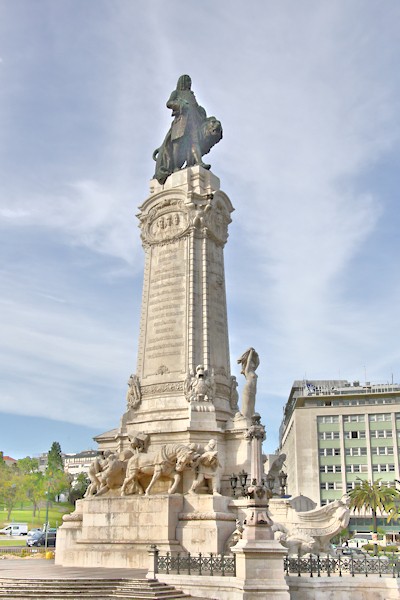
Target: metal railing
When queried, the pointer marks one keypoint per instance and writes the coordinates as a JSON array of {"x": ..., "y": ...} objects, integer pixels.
[
  {"x": 189, "y": 564},
  {"x": 316, "y": 566}
]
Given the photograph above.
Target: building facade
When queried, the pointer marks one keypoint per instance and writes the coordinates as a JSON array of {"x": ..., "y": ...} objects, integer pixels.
[
  {"x": 80, "y": 462},
  {"x": 335, "y": 433}
]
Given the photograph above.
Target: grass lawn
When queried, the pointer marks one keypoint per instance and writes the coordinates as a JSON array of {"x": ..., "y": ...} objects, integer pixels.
[
  {"x": 14, "y": 542},
  {"x": 25, "y": 515}
]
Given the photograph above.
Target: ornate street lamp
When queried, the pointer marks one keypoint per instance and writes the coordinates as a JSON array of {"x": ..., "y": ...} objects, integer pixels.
[
  {"x": 243, "y": 481},
  {"x": 270, "y": 484},
  {"x": 233, "y": 481}
]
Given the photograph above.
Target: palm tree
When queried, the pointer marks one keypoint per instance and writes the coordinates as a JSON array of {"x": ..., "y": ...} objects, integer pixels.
[{"x": 373, "y": 496}]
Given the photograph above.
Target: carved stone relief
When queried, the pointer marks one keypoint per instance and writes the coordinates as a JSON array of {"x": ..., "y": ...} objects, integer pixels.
[{"x": 134, "y": 394}]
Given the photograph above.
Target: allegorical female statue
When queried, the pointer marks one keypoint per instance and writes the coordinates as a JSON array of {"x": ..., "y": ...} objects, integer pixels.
[
  {"x": 249, "y": 361},
  {"x": 192, "y": 133}
]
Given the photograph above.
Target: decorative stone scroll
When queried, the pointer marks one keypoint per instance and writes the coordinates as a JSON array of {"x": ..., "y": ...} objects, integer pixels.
[{"x": 161, "y": 388}]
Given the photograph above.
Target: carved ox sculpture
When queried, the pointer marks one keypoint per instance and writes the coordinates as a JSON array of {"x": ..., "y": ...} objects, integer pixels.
[{"x": 169, "y": 462}]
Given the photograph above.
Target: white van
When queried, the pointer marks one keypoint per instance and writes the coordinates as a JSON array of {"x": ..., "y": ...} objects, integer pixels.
[
  {"x": 359, "y": 540},
  {"x": 15, "y": 529}
]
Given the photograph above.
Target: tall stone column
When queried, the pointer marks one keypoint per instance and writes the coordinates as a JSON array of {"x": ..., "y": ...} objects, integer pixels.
[{"x": 183, "y": 367}]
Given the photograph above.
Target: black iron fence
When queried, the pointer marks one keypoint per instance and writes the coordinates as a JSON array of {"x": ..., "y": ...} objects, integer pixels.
[
  {"x": 316, "y": 566},
  {"x": 190, "y": 564}
]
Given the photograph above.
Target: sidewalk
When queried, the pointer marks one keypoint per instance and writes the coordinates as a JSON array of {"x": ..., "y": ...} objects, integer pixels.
[{"x": 25, "y": 568}]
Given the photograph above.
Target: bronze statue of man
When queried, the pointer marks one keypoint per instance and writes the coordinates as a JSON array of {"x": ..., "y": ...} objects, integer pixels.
[{"x": 192, "y": 133}]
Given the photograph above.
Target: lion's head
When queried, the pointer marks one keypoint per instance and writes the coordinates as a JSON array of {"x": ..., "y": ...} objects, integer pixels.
[{"x": 211, "y": 134}]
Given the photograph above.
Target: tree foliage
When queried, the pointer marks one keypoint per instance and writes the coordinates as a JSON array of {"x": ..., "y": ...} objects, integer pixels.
[
  {"x": 54, "y": 458},
  {"x": 24, "y": 481},
  {"x": 57, "y": 481},
  {"x": 374, "y": 497}
]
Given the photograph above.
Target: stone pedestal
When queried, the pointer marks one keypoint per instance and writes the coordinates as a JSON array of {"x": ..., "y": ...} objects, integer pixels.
[
  {"x": 259, "y": 568},
  {"x": 117, "y": 532},
  {"x": 205, "y": 523}
]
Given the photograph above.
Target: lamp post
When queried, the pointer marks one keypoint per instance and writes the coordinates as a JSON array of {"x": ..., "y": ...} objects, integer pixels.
[
  {"x": 258, "y": 522},
  {"x": 47, "y": 520}
]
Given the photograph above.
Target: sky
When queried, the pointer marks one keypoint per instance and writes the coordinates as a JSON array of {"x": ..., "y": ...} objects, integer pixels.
[{"x": 308, "y": 95}]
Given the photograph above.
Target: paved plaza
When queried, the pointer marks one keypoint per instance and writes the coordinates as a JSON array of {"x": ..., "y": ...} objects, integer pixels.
[{"x": 23, "y": 568}]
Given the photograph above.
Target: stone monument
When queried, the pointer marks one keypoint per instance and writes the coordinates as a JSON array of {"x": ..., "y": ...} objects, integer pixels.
[
  {"x": 164, "y": 477},
  {"x": 165, "y": 470}
]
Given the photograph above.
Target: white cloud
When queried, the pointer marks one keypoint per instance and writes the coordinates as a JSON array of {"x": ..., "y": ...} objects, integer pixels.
[{"x": 308, "y": 98}]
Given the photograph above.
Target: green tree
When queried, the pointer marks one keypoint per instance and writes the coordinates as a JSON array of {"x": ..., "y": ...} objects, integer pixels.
[
  {"x": 374, "y": 497},
  {"x": 32, "y": 481},
  {"x": 11, "y": 490},
  {"x": 54, "y": 457},
  {"x": 78, "y": 487},
  {"x": 56, "y": 480}
]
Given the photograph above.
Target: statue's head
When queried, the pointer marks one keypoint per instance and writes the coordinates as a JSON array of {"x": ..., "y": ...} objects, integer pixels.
[{"x": 184, "y": 83}]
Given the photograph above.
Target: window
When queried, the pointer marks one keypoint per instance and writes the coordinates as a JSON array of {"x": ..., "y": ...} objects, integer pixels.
[
  {"x": 356, "y": 468},
  {"x": 330, "y": 469},
  {"x": 328, "y": 419},
  {"x": 356, "y": 451},
  {"x": 329, "y": 435},
  {"x": 383, "y": 468},
  {"x": 329, "y": 451},
  {"x": 351, "y": 485},
  {"x": 380, "y": 417},
  {"x": 381, "y": 450},
  {"x": 382, "y": 433},
  {"x": 352, "y": 435},
  {"x": 331, "y": 485},
  {"x": 354, "y": 418}
]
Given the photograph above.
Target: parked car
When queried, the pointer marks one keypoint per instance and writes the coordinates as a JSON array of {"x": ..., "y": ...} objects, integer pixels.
[
  {"x": 39, "y": 539},
  {"x": 15, "y": 529},
  {"x": 35, "y": 529},
  {"x": 354, "y": 552},
  {"x": 359, "y": 540}
]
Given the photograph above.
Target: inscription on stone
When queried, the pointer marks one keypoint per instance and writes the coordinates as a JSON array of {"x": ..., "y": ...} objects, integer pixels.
[{"x": 166, "y": 309}]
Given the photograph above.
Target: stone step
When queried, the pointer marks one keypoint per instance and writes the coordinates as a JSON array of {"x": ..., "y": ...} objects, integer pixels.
[{"x": 97, "y": 589}]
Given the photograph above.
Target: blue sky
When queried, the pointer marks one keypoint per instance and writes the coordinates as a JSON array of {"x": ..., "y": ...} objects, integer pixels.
[{"x": 308, "y": 95}]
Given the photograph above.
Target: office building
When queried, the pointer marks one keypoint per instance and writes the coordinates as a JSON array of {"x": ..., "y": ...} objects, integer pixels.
[{"x": 335, "y": 433}]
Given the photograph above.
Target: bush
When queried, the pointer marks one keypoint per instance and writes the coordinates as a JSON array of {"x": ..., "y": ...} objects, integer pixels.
[{"x": 385, "y": 549}]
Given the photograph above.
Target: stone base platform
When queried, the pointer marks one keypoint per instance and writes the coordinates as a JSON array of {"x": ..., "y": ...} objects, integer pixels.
[{"x": 114, "y": 531}]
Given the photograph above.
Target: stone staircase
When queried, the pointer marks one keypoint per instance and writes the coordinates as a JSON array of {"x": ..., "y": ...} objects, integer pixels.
[{"x": 97, "y": 589}]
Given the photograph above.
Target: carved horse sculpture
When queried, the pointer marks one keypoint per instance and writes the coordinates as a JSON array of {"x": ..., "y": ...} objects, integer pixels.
[{"x": 169, "y": 462}]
